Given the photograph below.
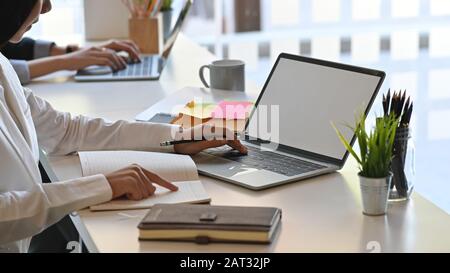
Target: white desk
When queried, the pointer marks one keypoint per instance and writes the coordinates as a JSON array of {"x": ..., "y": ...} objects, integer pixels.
[{"x": 319, "y": 215}]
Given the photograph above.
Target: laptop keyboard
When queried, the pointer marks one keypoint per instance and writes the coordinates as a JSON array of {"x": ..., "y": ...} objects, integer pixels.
[
  {"x": 142, "y": 69},
  {"x": 278, "y": 163}
]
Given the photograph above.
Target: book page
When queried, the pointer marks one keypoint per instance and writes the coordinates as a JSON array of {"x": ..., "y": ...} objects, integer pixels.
[
  {"x": 189, "y": 192},
  {"x": 172, "y": 167}
]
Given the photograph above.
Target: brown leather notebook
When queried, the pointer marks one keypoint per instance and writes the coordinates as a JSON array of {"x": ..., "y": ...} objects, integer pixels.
[{"x": 205, "y": 223}]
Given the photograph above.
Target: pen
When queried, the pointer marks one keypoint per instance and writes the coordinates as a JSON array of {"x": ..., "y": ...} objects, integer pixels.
[
  {"x": 157, "y": 7},
  {"x": 130, "y": 6},
  {"x": 149, "y": 8},
  {"x": 175, "y": 142}
]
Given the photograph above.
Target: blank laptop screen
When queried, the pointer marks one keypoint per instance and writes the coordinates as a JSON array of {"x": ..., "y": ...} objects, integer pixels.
[{"x": 310, "y": 97}]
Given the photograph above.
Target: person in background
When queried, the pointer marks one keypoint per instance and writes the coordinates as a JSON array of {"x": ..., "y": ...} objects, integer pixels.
[
  {"x": 28, "y": 123},
  {"x": 34, "y": 58}
]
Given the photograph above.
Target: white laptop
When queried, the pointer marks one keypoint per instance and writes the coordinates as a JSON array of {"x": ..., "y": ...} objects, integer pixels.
[
  {"x": 310, "y": 94},
  {"x": 150, "y": 67}
]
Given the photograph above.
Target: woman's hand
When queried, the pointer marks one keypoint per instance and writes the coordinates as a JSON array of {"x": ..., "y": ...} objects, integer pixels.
[
  {"x": 128, "y": 46},
  {"x": 215, "y": 137},
  {"x": 136, "y": 183},
  {"x": 104, "y": 55},
  {"x": 93, "y": 56}
]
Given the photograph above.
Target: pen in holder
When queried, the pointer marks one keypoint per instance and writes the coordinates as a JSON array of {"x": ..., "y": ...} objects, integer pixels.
[
  {"x": 146, "y": 33},
  {"x": 403, "y": 162}
]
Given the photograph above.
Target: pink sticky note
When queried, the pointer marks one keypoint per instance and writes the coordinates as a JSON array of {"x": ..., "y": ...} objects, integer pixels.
[{"x": 232, "y": 110}]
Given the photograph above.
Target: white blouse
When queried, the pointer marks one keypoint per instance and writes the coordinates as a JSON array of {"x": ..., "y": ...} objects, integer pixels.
[{"x": 28, "y": 122}]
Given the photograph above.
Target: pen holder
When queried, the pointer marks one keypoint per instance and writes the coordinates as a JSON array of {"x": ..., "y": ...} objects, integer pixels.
[
  {"x": 402, "y": 165},
  {"x": 146, "y": 33}
]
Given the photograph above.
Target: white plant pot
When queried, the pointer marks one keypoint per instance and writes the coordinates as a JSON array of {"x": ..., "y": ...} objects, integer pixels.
[
  {"x": 167, "y": 17},
  {"x": 375, "y": 193}
]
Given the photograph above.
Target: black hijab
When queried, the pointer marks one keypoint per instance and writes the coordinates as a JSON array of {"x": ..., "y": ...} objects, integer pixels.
[{"x": 13, "y": 14}]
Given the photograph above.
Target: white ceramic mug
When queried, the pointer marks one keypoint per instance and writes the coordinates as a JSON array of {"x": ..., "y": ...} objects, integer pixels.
[{"x": 225, "y": 74}]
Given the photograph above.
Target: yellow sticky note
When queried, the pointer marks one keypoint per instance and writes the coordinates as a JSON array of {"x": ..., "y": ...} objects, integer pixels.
[{"x": 199, "y": 110}]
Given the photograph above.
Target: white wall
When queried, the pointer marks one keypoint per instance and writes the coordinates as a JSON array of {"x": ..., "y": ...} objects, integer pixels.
[{"x": 105, "y": 19}]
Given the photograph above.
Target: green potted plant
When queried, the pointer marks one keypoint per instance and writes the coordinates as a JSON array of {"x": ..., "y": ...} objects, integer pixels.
[
  {"x": 167, "y": 14},
  {"x": 374, "y": 160},
  {"x": 167, "y": 5}
]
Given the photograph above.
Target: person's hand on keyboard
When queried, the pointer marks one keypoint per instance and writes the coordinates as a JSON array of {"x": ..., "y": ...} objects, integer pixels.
[
  {"x": 103, "y": 55},
  {"x": 106, "y": 56},
  {"x": 93, "y": 56},
  {"x": 124, "y": 46},
  {"x": 212, "y": 137}
]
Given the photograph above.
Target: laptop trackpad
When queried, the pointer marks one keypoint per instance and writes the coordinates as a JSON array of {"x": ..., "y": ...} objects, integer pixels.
[
  {"x": 225, "y": 168},
  {"x": 220, "y": 166},
  {"x": 95, "y": 70}
]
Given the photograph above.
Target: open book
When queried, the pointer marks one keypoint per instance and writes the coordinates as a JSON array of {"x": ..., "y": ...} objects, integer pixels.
[{"x": 175, "y": 168}]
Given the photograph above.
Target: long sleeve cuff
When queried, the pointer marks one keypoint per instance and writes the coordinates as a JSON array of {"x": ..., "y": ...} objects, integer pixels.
[
  {"x": 42, "y": 49},
  {"x": 22, "y": 69},
  {"x": 149, "y": 136},
  {"x": 79, "y": 193}
]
